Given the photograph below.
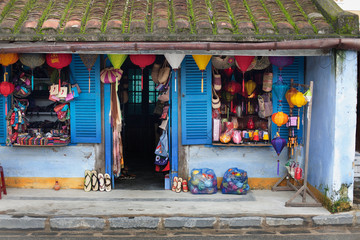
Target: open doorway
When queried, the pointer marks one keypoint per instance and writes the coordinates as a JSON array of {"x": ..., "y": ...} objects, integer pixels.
[{"x": 140, "y": 132}]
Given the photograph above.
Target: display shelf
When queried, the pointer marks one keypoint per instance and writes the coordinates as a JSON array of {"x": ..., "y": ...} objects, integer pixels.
[
  {"x": 242, "y": 144},
  {"x": 57, "y": 145}
]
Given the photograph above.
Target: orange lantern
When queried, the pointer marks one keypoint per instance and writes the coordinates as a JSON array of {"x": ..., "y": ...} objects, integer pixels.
[
  {"x": 280, "y": 118},
  {"x": 289, "y": 94},
  {"x": 7, "y": 59}
]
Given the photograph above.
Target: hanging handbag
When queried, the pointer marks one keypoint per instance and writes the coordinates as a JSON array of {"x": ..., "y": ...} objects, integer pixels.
[
  {"x": 216, "y": 81},
  {"x": 265, "y": 106},
  {"x": 215, "y": 100},
  {"x": 162, "y": 148},
  {"x": 158, "y": 108},
  {"x": 164, "y": 73},
  {"x": 161, "y": 161},
  {"x": 267, "y": 82},
  {"x": 165, "y": 96},
  {"x": 155, "y": 73}
]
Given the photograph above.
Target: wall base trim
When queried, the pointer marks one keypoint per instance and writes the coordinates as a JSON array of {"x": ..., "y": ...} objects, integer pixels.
[{"x": 44, "y": 182}]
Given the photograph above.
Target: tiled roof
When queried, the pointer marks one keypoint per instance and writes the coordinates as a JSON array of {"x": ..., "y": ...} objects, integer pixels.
[{"x": 165, "y": 20}]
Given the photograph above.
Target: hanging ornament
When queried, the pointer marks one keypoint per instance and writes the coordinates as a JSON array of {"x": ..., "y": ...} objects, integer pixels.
[
  {"x": 228, "y": 72},
  {"x": 117, "y": 61},
  {"x": 281, "y": 62},
  {"x": 280, "y": 118},
  {"x": 58, "y": 61},
  {"x": 142, "y": 61},
  {"x": 175, "y": 61},
  {"x": 243, "y": 63},
  {"x": 89, "y": 61},
  {"x": 32, "y": 60},
  {"x": 110, "y": 75},
  {"x": 278, "y": 143},
  {"x": 250, "y": 87},
  {"x": 280, "y": 88},
  {"x": 7, "y": 88},
  {"x": 298, "y": 100},
  {"x": 288, "y": 96},
  {"x": 202, "y": 61}
]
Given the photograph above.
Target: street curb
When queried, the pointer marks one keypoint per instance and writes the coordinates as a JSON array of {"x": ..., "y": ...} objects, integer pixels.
[{"x": 53, "y": 223}]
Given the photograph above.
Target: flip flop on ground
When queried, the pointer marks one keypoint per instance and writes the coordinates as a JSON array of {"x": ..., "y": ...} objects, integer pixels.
[
  {"x": 175, "y": 183},
  {"x": 107, "y": 182},
  {"x": 178, "y": 187},
  {"x": 101, "y": 182},
  {"x": 94, "y": 181},
  {"x": 87, "y": 181}
]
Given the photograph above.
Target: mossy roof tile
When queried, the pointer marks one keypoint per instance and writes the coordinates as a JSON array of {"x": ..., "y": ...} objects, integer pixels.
[{"x": 164, "y": 20}]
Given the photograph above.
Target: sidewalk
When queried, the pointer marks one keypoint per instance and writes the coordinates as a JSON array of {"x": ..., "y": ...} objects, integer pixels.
[{"x": 124, "y": 209}]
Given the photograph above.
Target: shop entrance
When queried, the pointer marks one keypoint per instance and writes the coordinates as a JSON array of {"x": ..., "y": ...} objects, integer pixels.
[{"x": 140, "y": 130}]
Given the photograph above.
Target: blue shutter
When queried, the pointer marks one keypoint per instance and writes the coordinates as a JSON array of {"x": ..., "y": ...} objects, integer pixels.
[
  {"x": 3, "y": 120},
  {"x": 296, "y": 72},
  {"x": 85, "y": 111},
  {"x": 195, "y": 105}
]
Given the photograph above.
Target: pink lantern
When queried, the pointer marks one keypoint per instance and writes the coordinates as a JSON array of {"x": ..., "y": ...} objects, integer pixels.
[
  {"x": 142, "y": 61},
  {"x": 244, "y": 62}
]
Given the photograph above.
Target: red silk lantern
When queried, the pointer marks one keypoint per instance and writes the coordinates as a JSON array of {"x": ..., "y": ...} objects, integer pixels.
[
  {"x": 244, "y": 62},
  {"x": 6, "y": 88},
  {"x": 280, "y": 118},
  {"x": 58, "y": 61},
  {"x": 228, "y": 72},
  {"x": 142, "y": 61}
]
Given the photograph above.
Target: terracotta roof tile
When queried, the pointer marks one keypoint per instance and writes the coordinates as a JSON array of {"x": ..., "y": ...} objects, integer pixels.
[{"x": 162, "y": 20}]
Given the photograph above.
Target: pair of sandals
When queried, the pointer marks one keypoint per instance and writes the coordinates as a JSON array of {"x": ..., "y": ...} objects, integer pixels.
[
  {"x": 178, "y": 184},
  {"x": 95, "y": 182}
]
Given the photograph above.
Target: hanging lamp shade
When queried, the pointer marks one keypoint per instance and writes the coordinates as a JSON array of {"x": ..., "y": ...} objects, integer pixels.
[
  {"x": 58, "y": 61},
  {"x": 89, "y": 61},
  {"x": 142, "y": 61},
  {"x": 202, "y": 61},
  {"x": 175, "y": 61},
  {"x": 228, "y": 72},
  {"x": 6, "y": 88},
  {"x": 7, "y": 59},
  {"x": 32, "y": 60},
  {"x": 298, "y": 99},
  {"x": 280, "y": 118},
  {"x": 280, "y": 88},
  {"x": 243, "y": 62},
  {"x": 110, "y": 75},
  {"x": 282, "y": 61},
  {"x": 250, "y": 87},
  {"x": 117, "y": 60},
  {"x": 288, "y": 96},
  {"x": 278, "y": 144}
]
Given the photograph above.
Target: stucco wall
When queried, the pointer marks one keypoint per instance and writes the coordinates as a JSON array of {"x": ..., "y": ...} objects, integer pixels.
[
  {"x": 61, "y": 162},
  {"x": 332, "y": 147},
  {"x": 259, "y": 162}
]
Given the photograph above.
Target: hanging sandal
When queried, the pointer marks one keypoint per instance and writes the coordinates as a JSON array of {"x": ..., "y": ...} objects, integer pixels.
[
  {"x": 107, "y": 182},
  {"x": 94, "y": 181},
  {"x": 101, "y": 182},
  {"x": 184, "y": 186},
  {"x": 178, "y": 187},
  {"x": 175, "y": 183},
  {"x": 87, "y": 181}
]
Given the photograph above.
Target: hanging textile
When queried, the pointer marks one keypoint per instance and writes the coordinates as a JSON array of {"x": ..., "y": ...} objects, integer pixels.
[{"x": 116, "y": 124}]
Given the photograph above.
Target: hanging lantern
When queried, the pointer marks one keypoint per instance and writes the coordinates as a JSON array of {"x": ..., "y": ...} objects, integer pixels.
[
  {"x": 280, "y": 118},
  {"x": 110, "y": 75},
  {"x": 175, "y": 61},
  {"x": 250, "y": 87},
  {"x": 280, "y": 88},
  {"x": 281, "y": 62},
  {"x": 32, "y": 60},
  {"x": 117, "y": 61},
  {"x": 202, "y": 61},
  {"x": 243, "y": 63},
  {"x": 89, "y": 61},
  {"x": 6, "y": 88},
  {"x": 228, "y": 72},
  {"x": 7, "y": 59},
  {"x": 298, "y": 99},
  {"x": 278, "y": 143},
  {"x": 58, "y": 61},
  {"x": 142, "y": 61},
  {"x": 288, "y": 96}
]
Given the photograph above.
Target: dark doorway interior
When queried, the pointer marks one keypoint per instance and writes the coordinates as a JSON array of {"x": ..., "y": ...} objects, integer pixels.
[{"x": 140, "y": 131}]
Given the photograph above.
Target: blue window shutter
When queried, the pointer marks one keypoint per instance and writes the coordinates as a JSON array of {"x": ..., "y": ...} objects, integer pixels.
[
  {"x": 295, "y": 72},
  {"x": 85, "y": 111},
  {"x": 195, "y": 105},
  {"x": 3, "y": 120}
]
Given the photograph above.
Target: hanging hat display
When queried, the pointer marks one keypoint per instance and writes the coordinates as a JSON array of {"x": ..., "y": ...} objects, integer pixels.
[
  {"x": 222, "y": 62},
  {"x": 32, "y": 60},
  {"x": 58, "y": 61},
  {"x": 202, "y": 61},
  {"x": 142, "y": 60},
  {"x": 89, "y": 61},
  {"x": 175, "y": 61},
  {"x": 262, "y": 63}
]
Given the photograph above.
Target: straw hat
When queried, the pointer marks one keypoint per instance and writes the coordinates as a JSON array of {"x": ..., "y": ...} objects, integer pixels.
[
  {"x": 262, "y": 63},
  {"x": 222, "y": 62}
]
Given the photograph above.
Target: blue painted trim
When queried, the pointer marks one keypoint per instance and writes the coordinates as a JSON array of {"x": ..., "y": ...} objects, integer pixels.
[
  {"x": 107, "y": 129},
  {"x": 173, "y": 122}
]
